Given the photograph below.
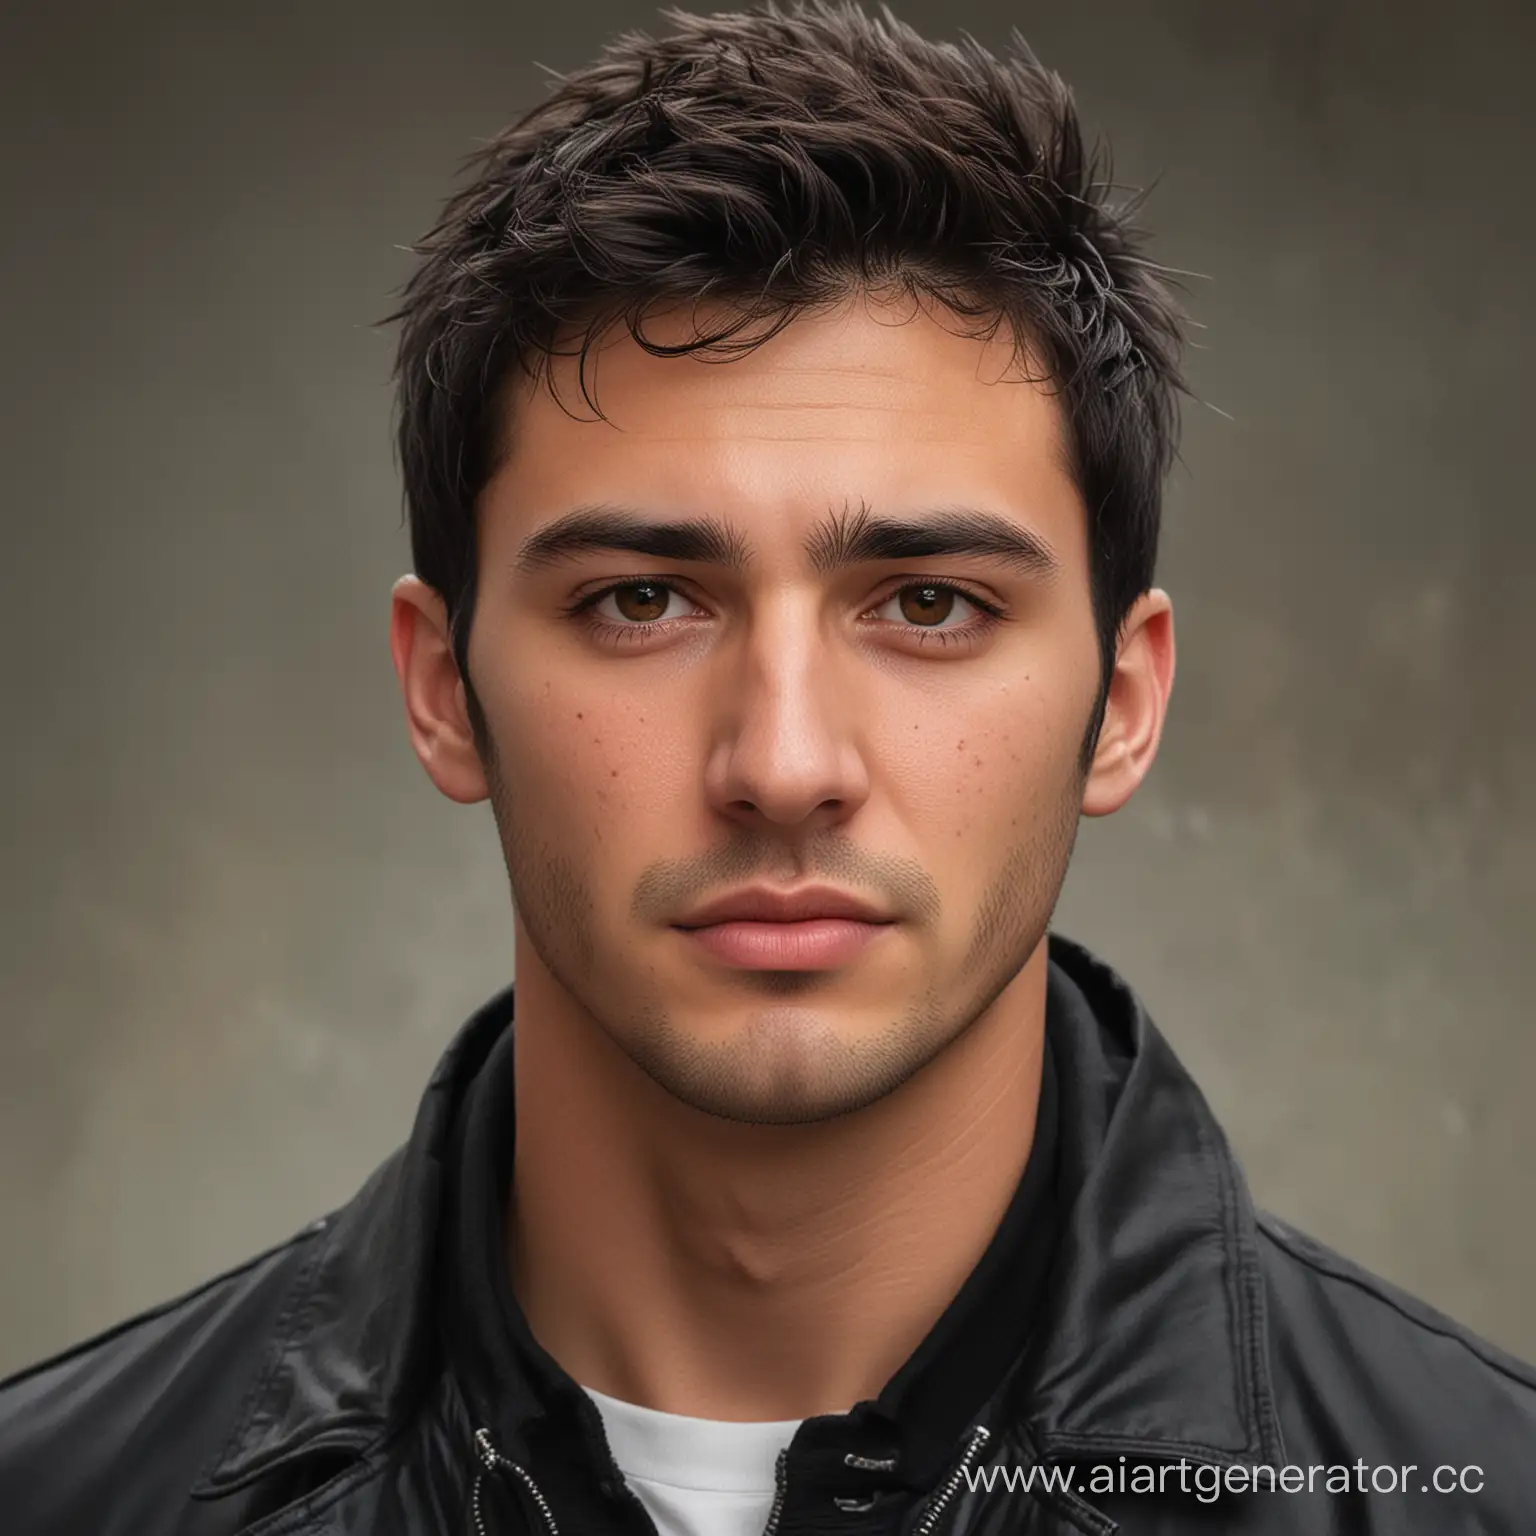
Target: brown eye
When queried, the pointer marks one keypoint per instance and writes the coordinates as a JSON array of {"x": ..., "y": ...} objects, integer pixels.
[
  {"x": 642, "y": 601},
  {"x": 926, "y": 605}
]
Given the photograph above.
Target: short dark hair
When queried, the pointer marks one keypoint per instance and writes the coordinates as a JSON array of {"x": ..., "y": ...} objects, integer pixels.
[{"x": 778, "y": 159}]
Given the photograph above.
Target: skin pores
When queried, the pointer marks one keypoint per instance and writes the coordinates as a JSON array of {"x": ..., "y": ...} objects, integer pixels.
[
  {"x": 745, "y": 1189},
  {"x": 906, "y": 730}
]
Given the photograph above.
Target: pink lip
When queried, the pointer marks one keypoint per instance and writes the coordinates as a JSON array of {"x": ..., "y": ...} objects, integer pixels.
[
  {"x": 765, "y": 904},
  {"x": 813, "y": 944}
]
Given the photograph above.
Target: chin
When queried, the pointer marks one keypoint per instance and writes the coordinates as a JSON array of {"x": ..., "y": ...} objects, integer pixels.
[{"x": 783, "y": 1066}]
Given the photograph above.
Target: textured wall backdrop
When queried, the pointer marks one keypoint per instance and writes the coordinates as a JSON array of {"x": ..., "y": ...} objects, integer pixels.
[{"x": 239, "y": 924}]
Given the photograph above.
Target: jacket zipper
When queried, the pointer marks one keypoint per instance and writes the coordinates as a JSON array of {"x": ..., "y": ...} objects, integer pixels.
[
  {"x": 779, "y": 1468},
  {"x": 942, "y": 1499},
  {"x": 491, "y": 1460}
]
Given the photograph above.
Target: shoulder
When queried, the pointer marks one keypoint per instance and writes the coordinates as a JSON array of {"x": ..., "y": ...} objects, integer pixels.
[
  {"x": 123, "y": 1421},
  {"x": 1316, "y": 1285},
  {"x": 1363, "y": 1366}
]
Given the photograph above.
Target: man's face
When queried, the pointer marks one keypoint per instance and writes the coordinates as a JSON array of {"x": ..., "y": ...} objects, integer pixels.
[{"x": 857, "y": 661}]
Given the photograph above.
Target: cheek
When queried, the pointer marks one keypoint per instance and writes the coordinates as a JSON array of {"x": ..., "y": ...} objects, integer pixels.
[
  {"x": 991, "y": 767},
  {"x": 596, "y": 763}
]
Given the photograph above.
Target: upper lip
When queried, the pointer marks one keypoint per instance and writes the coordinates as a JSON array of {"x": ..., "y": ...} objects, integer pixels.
[{"x": 762, "y": 904}]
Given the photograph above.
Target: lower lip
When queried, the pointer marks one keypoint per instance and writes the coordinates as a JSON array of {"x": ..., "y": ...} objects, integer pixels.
[{"x": 818, "y": 944}]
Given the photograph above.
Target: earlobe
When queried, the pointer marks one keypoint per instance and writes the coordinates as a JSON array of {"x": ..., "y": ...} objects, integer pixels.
[
  {"x": 1136, "y": 707},
  {"x": 436, "y": 715}
]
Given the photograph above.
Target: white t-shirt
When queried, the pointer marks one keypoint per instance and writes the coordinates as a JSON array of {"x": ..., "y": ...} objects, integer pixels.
[{"x": 696, "y": 1477}]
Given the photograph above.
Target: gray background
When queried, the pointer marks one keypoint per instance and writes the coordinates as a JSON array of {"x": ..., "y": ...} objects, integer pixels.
[{"x": 240, "y": 925}]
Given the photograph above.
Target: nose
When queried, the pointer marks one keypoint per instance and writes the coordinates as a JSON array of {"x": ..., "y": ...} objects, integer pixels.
[{"x": 787, "y": 746}]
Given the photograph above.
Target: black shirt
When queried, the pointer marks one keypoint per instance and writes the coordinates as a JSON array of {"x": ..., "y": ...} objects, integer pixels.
[{"x": 902, "y": 1442}]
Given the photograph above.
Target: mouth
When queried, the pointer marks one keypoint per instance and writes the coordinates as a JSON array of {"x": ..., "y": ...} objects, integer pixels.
[{"x": 808, "y": 944}]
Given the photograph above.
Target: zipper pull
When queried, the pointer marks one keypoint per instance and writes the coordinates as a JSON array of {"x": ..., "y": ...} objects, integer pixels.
[
  {"x": 488, "y": 1452},
  {"x": 492, "y": 1461}
]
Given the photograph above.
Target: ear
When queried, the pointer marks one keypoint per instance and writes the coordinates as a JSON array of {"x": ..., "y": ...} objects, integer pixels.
[
  {"x": 435, "y": 708},
  {"x": 1136, "y": 707}
]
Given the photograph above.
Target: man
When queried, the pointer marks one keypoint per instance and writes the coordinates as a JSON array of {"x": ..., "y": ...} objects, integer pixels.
[{"x": 783, "y": 414}]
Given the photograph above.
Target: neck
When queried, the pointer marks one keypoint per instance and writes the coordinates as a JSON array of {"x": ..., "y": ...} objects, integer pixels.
[{"x": 741, "y": 1272}]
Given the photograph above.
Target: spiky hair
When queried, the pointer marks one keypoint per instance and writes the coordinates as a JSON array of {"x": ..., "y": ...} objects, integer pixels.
[{"x": 779, "y": 159}]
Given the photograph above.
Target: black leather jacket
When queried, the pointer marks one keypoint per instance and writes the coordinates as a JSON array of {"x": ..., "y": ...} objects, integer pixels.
[{"x": 1184, "y": 1341}]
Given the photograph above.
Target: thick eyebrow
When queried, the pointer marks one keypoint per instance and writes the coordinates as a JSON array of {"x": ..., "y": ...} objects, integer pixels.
[
  {"x": 860, "y": 537},
  {"x": 603, "y": 527},
  {"x": 847, "y": 538}
]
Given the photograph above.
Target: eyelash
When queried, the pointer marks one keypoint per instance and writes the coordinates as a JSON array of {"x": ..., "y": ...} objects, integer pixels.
[{"x": 583, "y": 611}]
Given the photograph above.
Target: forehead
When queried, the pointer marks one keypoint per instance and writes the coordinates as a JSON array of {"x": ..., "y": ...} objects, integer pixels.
[{"x": 865, "y": 401}]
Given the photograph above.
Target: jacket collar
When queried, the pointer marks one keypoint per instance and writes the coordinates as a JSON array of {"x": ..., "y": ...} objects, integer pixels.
[
  {"x": 1152, "y": 1340},
  {"x": 357, "y": 1345}
]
